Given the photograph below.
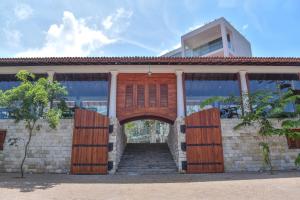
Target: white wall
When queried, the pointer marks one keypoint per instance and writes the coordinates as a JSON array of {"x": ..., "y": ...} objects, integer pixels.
[{"x": 241, "y": 46}]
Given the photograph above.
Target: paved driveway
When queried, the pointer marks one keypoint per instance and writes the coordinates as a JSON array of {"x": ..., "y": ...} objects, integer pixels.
[{"x": 176, "y": 187}]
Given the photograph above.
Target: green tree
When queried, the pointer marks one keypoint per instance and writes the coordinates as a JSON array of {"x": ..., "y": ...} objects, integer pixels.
[
  {"x": 32, "y": 101},
  {"x": 268, "y": 106}
]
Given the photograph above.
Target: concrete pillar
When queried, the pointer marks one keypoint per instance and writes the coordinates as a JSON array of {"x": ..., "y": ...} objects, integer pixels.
[
  {"x": 180, "y": 95},
  {"x": 224, "y": 40},
  {"x": 113, "y": 95},
  {"x": 51, "y": 75},
  {"x": 153, "y": 132},
  {"x": 244, "y": 91}
]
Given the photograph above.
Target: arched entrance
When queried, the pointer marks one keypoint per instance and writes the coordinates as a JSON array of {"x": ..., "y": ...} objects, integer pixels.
[
  {"x": 142, "y": 99},
  {"x": 147, "y": 148}
]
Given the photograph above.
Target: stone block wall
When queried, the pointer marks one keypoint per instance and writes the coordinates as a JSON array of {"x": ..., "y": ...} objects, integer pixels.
[
  {"x": 175, "y": 138},
  {"x": 118, "y": 139},
  {"x": 242, "y": 152},
  {"x": 49, "y": 150}
]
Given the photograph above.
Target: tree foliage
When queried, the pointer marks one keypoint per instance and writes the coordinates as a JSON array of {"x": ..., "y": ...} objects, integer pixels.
[
  {"x": 33, "y": 100},
  {"x": 267, "y": 106}
]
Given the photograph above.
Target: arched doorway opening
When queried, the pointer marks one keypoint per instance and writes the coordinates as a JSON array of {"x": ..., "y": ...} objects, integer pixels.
[{"x": 147, "y": 151}]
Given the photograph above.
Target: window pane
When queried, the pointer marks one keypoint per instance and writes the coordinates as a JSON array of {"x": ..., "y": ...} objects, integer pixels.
[
  {"x": 7, "y": 82},
  {"x": 209, "y": 47},
  {"x": 86, "y": 90},
  {"x": 200, "y": 87},
  {"x": 274, "y": 83}
]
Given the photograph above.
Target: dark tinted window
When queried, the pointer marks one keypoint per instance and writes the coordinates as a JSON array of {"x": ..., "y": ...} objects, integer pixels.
[
  {"x": 86, "y": 90},
  {"x": 199, "y": 87}
]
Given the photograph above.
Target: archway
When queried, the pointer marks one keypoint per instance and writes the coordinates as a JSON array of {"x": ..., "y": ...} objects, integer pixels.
[{"x": 147, "y": 147}]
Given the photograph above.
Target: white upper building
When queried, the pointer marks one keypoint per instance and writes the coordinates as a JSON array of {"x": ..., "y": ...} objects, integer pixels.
[{"x": 217, "y": 38}]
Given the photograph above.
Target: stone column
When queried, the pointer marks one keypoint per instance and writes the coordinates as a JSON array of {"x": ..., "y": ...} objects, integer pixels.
[
  {"x": 116, "y": 138},
  {"x": 178, "y": 136},
  {"x": 244, "y": 91},
  {"x": 51, "y": 75},
  {"x": 224, "y": 40},
  {"x": 180, "y": 96},
  {"x": 113, "y": 95}
]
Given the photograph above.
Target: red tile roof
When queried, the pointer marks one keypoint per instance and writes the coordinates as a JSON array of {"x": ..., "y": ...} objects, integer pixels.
[{"x": 274, "y": 61}]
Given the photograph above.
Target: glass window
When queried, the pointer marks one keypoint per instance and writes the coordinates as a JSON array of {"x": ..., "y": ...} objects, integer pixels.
[
  {"x": 209, "y": 47},
  {"x": 9, "y": 81},
  {"x": 88, "y": 91},
  {"x": 200, "y": 87},
  {"x": 176, "y": 55},
  {"x": 274, "y": 83}
]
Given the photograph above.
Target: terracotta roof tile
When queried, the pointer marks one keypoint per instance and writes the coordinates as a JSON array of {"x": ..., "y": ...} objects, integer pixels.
[{"x": 276, "y": 61}]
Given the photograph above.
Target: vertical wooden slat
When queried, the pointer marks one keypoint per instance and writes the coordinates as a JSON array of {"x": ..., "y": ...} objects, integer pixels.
[
  {"x": 152, "y": 95},
  {"x": 140, "y": 96},
  {"x": 129, "y": 96},
  {"x": 90, "y": 140},
  {"x": 163, "y": 95},
  {"x": 204, "y": 142}
]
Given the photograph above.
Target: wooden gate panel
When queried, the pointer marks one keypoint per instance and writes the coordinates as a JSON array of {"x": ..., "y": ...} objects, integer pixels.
[
  {"x": 90, "y": 143},
  {"x": 204, "y": 142}
]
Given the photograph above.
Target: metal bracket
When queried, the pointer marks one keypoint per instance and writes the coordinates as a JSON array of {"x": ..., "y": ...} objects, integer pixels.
[
  {"x": 110, "y": 128},
  {"x": 184, "y": 165},
  {"x": 183, "y": 146},
  {"x": 110, "y": 165},
  {"x": 110, "y": 146},
  {"x": 182, "y": 128}
]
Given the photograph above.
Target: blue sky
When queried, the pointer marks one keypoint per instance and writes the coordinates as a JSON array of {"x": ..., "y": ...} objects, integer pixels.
[{"x": 140, "y": 27}]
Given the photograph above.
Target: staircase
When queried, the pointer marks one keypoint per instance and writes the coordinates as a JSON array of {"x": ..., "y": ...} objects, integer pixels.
[{"x": 146, "y": 159}]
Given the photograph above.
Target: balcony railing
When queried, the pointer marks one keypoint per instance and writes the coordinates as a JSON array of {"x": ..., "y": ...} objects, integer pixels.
[{"x": 208, "y": 48}]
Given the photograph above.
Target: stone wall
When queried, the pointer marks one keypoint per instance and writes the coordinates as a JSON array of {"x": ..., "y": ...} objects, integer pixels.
[
  {"x": 49, "y": 150},
  {"x": 242, "y": 152},
  {"x": 118, "y": 139},
  {"x": 175, "y": 138}
]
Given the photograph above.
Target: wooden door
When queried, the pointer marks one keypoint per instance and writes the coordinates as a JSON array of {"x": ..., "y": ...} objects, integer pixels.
[
  {"x": 204, "y": 142},
  {"x": 90, "y": 143}
]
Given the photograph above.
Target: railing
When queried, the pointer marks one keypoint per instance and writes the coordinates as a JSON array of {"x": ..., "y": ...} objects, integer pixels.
[{"x": 208, "y": 48}]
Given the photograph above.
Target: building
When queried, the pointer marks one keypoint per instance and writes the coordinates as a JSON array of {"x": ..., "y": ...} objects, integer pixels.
[
  {"x": 118, "y": 90},
  {"x": 217, "y": 38}
]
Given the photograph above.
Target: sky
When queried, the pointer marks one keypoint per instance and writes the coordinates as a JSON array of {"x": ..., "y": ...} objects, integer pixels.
[{"x": 43, "y": 28}]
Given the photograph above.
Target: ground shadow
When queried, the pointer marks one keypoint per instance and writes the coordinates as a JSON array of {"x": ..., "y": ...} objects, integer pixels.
[{"x": 45, "y": 181}]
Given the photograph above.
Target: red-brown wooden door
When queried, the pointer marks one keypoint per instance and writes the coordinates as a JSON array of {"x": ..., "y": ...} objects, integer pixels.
[
  {"x": 90, "y": 143},
  {"x": 204, "y": 142}
]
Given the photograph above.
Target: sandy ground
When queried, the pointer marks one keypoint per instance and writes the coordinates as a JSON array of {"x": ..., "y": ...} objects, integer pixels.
[{"x": 281, "y": 185}]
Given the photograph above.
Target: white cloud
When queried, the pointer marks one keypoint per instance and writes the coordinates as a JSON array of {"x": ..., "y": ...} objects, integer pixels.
[
  {"x": 13, "y": 37},
  {"x": 70, "y": 38},
  {"x": 23, "y": 11},
  {"x": 139, "y": 44},
  {"x": 178, "y": 45},
  {"x": 245, "y": 26},
  {"x": 118, "y": 20}
]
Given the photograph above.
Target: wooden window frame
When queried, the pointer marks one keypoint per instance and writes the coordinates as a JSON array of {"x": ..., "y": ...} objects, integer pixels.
[
  {"x": 152, "y": 94},
  {"x": 129, "y": 92},
  {"x": 164, "y": 93},
  {"x": 2, "y": 139},
  {"x": 141, "y": 96},
  {"x": 293, "y": 143}
]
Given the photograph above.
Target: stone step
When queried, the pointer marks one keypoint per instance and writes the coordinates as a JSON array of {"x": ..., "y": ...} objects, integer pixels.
[{"x": 147, "y": 159}]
